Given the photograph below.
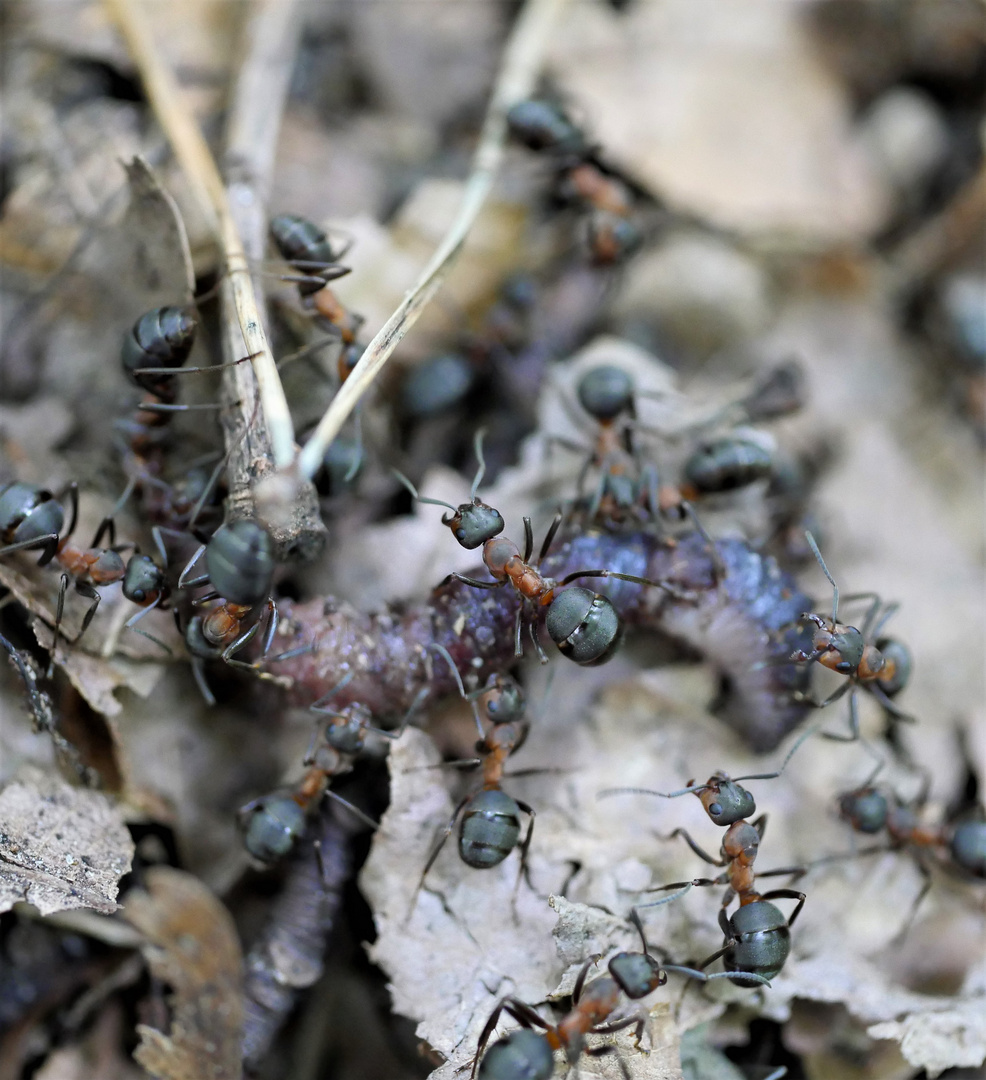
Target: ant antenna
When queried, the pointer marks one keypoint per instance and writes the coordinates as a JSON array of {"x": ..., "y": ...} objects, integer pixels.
[
  {"x": 481, "y": 471},
  {"x": 606, "y": 792},
  {"x": 414, "y": 492},
  {"x": 444, "y": 653},
  {"x": 825, "y": 571}
]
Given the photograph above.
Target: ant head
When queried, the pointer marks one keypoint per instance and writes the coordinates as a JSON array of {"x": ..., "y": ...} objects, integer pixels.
[
  {"x": 584, "y": 625},
  {"x": 143, "y": 579},
  {"x": 504, "y": 699},
  {"x": 346, "y": 730},
  {"x": 865, "y": 809},
  {"x": 474, "y": 523},
  {"x": 637, "y": 973},
  {"x": 898, "y": 664},
  {"x": 605, "y": 392},
  {"x": 725, "y": 801},
  {"x": 839, "y": 647}
]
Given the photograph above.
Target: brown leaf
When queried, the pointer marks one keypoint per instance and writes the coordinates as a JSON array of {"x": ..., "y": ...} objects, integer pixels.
[{"x": 193, "y": 947}]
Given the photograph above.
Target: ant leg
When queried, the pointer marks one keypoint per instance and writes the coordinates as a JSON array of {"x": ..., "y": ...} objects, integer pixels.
[
  {"x": 795, "y": 871},
  {"x": 49, "y": 542},
  {"x": 480, "y": 463},
  {"x": 183, "y": 582},
  {"x": 198, "y": 670},
  {"x": 888, "y": 613},
  {"x": 677, "y": 594},
  {"x": 787, "y": 894},
  {"x": 889, "y": 705},
  {"x": 72, "y": 490},
  {"x": 446, "y": 833},
  {"x": 601, "y": 1051},
  {"x": 518, "y": 626},
  {"x": 581, "y": 977},
  {"x": 528, "y": 540},
  {"x": 542, "y": 655},
  {"x": 131, "y": 624},
  {"x": 853, "y": 735},
  {"x": 760, "y": 824},
  {"x": 117, "y": 507},
  {"x": 398, "y": 731},
  {"x": 718, "y": 567},
  {"x": 107, "y": 525},
  {"x": 60, "y": 607},
  {"x": 704, "y": 855},
  {"x": 445, "y": 655},
  {"x": 85, "y": 589},
  {"x": 190, "y": 371},
  {"x": 354, "y": 810},
  {"x": 525, "y": 844},
  {"x": 549, "y": 537}
]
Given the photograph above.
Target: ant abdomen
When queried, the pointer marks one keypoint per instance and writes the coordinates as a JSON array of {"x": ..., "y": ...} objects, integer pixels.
[
  {"x": 29, "y": 517},
  {"x": 541, "y": 125},
  {"x": 489, "y": 830},
  {"x": 161, "y": 337},
  {"x": 239, "y": 560},
  {"x": 584, "y": 625},
  {"x": 301, "y": 242},
  {"x": 898, "y": 656},
  {"x": 523, "y": 1053},
  {"x": 727, "y": 464},
  {"x": 271, "y": 826},
  {"x": 968, "y": 847},
  {"x": 866, "y": 810},
  {"x": 761, "y": 941}
]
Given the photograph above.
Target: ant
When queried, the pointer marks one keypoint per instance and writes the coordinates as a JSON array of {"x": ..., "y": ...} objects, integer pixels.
[
  {"x": 153, "y": 354},
  {"x": 882, "y": 668},
  {"x": 490, "y": 827},
  {"x": 529, "y": 1054},
  {"x": 757, "y": 935},
  {"x": 584, "y": 625},
  {"x": 273, "y": 823},
  {"x": 239, "y": 560},
  {"x": 870, "y": 811},
  {"x": 583, "y": 181}
]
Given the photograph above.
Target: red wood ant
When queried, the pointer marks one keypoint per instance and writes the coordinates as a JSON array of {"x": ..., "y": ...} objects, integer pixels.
[
  {"x": 757, "y": 935},
  {"x": 870, "y": 810},
  {"x": 240, "y": 564},
  {"x": 32, "y": 518},
  {"x": 584, "y": 625},
  {"x": 273, "y": 823},
  {"x": 489, "y": 828},
  {"x": 529, "y": 1055},
  {"x": 882, "y": 668},
  {"x": 583, "y": 181}
]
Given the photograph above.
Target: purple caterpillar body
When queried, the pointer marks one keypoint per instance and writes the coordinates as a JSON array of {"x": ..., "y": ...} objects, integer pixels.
[{"x": 746, "y": 625}]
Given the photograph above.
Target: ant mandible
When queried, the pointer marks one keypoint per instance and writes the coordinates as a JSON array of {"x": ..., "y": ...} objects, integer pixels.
[
  {"x": 883, "y": 668},
  {"x": 584, "y": 625}
]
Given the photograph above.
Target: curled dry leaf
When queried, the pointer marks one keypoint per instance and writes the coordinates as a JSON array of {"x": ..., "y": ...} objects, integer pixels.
[
  {"x": 60, "y": 846},
  {"x": 193, "y": 947}
]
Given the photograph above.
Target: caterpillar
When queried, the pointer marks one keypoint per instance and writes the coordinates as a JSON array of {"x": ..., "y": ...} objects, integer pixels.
[{"x": 741, "y": 616}]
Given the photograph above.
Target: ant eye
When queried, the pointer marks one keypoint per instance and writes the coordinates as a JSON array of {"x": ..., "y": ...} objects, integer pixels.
[{"x": 715, "y": 809}]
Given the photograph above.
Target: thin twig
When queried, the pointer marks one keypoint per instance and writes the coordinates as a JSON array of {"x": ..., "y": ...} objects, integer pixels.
[
  {"x": 200, "y": 167},
  {"x": 270, "y": 41},
  {"x": 518, "y": 75}
]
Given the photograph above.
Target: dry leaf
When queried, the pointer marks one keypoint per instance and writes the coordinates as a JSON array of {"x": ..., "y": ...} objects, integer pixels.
[
  {"x": 193, "y": 948},
  {"x": 60, "y": 846}
]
